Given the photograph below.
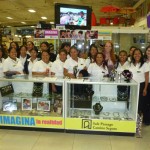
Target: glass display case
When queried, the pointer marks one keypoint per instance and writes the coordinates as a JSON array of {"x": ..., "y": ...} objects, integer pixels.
[
  {"x": 27, "y": 101},
  {"x": 101, "y": 105}
]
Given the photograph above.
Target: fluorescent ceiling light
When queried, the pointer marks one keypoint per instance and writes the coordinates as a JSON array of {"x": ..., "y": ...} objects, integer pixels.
[
  {"x": 44, "y": 17},
  {"x": 32, "y": 26},
  {"x": 9, "y": 17},
  {"x": 31, "y": 10},
  {"x": 23, "y": 22}
]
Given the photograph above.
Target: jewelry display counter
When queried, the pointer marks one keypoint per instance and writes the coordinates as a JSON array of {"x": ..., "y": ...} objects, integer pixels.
[
  {"x": 109, "y": 106},
  {"x": 27, "y": 101},
  {"x": 83, "y": 105}
]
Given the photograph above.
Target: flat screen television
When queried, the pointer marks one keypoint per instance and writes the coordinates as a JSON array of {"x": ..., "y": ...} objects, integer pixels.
[{"x": 73, "y": 16}]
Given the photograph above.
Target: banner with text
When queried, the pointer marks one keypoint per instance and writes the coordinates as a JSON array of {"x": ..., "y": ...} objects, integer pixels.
[
  {"x": 100, "y": 125},
  {"x": 32, "y": 121}
]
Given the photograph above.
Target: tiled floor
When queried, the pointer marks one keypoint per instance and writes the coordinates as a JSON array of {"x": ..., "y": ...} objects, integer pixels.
[{"x": 35, "y": 140}]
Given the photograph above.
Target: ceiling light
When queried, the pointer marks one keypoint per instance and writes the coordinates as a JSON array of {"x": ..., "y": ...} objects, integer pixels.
[
  {"x": 51, "y": 22},
  {"x": 32, "y": 26},
  {"x": 44, "y": 17},
  {"x": 31, "y": 10},
  {"x": 8, "y": 26},
  {"x": 23, "y": 22},
  {"x": 9, "y": 17}
]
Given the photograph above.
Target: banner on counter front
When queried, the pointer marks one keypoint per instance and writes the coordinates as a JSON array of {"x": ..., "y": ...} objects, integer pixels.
[
  {"x": 100, "y": 125},
  {"x": 51, "y": 34},
  {"x": 32, "y": 121}
]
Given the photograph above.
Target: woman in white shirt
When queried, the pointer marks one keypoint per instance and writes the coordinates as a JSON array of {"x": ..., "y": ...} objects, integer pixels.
[
  {"x": 58, "y": 70},
  {"x": 74, "y": 64},
  {"x": 146, "y": 118},
  {"x": 122, "y": 63},
  {"x": 1, "y": 61},
  {"x": 98, "y": 69},
  {"x": 23, "y": 56},
  {"x": 12, "y": 65},
  {"x": 30, "y": 62},
  {"x": 42, "y": 67},
  {"x": 140, "y": 71},
  {"x": 74, "y": 67},
  {"x": 91, "y": 56}
]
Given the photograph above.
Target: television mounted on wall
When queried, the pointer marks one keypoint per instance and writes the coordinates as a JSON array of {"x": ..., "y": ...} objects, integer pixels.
[{"x": 73, "y": 16}]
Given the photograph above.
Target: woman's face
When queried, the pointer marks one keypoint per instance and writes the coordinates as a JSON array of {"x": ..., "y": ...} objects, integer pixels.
[
  {"x": 43, "y": 47},
  {"x": 1, "y": 53},
  {"x": 30, "y": 46},
  {"x": 45, "y": 57},
  {"x": 62, "y": 56},
  {"x": 99, "y": 59},
  {"x": 131, "y": 51},
  {"x": 148, "y": 53},
  {"x": 13, "y": 53},
  {"x": 137, "y": 56},
  {"x": 67, "y": 48},
  {"x": 33, "y": 54},
  {"x": 93, "y": 51},
  {"x": 23, "y": 51},
  {"x": 73, "y": 53},
  {"x": 108, "y": 47},
  {"x": 122, "y": 57},
  {"x": 13, "y": 45}
]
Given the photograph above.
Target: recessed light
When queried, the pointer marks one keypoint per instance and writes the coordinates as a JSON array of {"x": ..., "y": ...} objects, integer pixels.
[
  {"x": 51, "y": 22},
  {"x": 9, "y": 17},
  {"x": 44, "y": 17},
  {"x": 23, "y": 22},
  {"x": 31, "y": 10}
]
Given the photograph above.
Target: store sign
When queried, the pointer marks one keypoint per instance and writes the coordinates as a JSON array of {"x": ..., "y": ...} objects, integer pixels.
[
  {"x": 100, "y": 125},
  {"x": 105, "y": 35},
  {"x": 32, "y": 121},
  {"x": 51, "y": 34}
]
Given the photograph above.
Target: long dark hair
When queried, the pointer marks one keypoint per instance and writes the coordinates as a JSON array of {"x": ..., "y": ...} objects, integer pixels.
[
  {"x": 91, "y": 46},
  {"x": 145, "y": 56},
  {"x": 142, "y": 57}
]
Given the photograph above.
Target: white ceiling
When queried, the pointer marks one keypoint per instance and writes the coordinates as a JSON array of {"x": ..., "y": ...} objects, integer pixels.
[{"x": 18, "y": 9}]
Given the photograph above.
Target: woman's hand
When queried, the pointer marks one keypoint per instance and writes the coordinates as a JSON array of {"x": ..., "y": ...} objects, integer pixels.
[{"x": 144, "y": 92}]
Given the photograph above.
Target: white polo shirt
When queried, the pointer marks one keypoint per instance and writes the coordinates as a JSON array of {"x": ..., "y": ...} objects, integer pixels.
[
  {"x": 70, "y": 64},
  {"x": 1, "y": 67},
  {"x": 123, "y": 67},
  {"x": 12, "y": 65},
  {"x": 149, "y": 70},
  {"x": 139, "y": 72},
  {"x": 96, "y": 71},
  {"x": 23, "y": 59},
  {"x": 88, "y": 61},
  {"x": 41, "y": 66},
  {"x": 58, "y": 68},
  {"x": 31, "y": 64}
]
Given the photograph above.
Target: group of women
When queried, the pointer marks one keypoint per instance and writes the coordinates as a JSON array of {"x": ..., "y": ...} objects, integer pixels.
[{"x": 67, "y": 63}]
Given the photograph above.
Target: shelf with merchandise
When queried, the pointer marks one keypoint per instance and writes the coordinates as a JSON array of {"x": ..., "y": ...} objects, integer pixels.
[
  {"x": 101, "y": 105},
  {"x": 22, "y": 106}
]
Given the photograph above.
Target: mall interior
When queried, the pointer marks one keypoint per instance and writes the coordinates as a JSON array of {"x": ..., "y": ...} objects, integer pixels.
[{"x": 33, "y": 116}]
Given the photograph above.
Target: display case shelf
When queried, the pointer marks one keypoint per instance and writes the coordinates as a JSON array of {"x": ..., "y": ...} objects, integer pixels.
[{"x": 118, "y": 112}]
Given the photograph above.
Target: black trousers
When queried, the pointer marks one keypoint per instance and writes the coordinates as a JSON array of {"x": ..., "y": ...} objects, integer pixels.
[{"x": 146, "y": 107}]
